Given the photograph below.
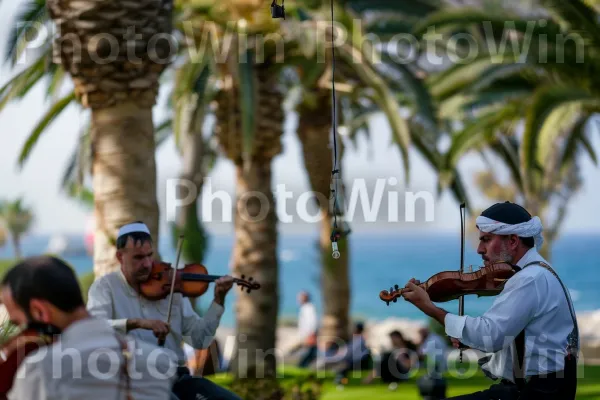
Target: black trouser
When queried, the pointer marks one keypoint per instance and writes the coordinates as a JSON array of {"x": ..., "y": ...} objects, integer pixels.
[
  {"x": 537, "y": 388},
  {"x": 195, "y": 388},
  {"x": 309, "y": 354}
]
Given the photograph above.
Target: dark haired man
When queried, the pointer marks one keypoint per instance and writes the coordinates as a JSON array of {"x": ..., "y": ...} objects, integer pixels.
[
  {"x": 84, "y": 354},
  {"x": 116, "y": 297},
  {"x": 531, "y": 327}
]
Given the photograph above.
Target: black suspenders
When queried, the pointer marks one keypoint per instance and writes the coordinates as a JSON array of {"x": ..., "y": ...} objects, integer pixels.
[{"x": 573, "y": 338}]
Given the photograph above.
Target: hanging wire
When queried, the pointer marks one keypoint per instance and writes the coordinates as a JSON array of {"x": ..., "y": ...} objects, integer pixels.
[{"x": 335, "y": 234}]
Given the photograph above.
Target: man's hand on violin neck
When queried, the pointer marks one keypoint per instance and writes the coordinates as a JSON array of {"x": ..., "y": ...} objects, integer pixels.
[
  {"x": 420, "y": 298},
  {"x": 159, "y": 328},
  {"x": 222, "y": 286}
]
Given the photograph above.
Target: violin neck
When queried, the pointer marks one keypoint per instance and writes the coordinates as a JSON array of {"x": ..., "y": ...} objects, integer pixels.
[{"x": 199, "y": 277}]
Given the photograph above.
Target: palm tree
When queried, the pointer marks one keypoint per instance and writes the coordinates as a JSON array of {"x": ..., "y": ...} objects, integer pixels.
[
  {"x": 123, "y": 158},
  {"x": 363, "y": 89},
  {"x": 17, "y": 220},
  {"x": 552, "y": 100},
  {"x": 248, "y": 126},
  {"x": 120, "y": 88}
]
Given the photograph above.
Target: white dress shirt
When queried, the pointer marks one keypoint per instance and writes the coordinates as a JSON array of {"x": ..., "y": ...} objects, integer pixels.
[
  {"x": 534, "y": 300},
  {"x": 112, "y": 298},
  {"x": 307, "y": 321},
  {"x": 85, "y": 363}
]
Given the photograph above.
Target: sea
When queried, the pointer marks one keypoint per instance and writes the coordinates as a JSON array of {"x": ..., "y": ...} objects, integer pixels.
[{"x": 378, "y": 261}]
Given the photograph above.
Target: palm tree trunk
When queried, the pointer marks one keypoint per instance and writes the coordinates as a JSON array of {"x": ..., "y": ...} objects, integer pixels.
[
  {"x": 17, "y": 246},
  {"x": 124, "y": 177},
  {"x": 255, "y": 250},
  {"x": 314, "y": 134},
  {"x": 255, "y": 255}
]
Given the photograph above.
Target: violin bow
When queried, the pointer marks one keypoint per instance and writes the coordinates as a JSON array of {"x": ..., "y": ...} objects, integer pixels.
[
  {"x": 161, "y": 342},
  {"x": 461, "y": 299}
]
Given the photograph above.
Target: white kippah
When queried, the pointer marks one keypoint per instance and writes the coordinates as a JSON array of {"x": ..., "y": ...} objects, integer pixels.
[
  {"x": 133, "y": 227},
  {"x": 531, "y": 228}
]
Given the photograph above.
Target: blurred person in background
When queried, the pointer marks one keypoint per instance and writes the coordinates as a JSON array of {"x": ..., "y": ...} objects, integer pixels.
[
  {"x": 395, "y": 365},
  {"x": 351, "y": 357}
]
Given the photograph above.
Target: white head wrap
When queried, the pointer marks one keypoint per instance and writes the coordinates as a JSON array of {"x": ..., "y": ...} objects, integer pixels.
[
  {"x": 133, "y": 227},
  {"x": 532, "y": 228}
]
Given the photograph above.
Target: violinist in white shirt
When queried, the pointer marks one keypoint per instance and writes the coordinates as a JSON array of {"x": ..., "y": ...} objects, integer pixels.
[
  {"x": 115, "y": 298},
  {"x": 530, "y": 329}
]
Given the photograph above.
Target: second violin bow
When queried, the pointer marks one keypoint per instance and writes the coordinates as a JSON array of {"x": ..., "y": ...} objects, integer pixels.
[
  {"x": 161, "y": 342},
  {"x": 461, "y": 299}
]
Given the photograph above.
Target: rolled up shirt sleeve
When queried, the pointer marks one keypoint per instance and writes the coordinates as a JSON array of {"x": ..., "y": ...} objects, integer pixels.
[
  {"x": 100, "y": 304},
  {"x": 500, "y": 325},
  {"x": 198, "y": 331}
]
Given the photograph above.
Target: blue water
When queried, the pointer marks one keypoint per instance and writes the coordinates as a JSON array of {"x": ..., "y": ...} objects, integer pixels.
[{"x": 378, "y": 261}]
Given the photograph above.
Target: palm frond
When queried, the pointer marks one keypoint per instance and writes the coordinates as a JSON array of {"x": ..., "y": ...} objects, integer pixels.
[
  {"x": 414, "y": 88},
  {"x": 163, "y": 131},
  {"x": 385, "y": 99},
  {"x": 546, "y": 100},
  {"x": 506, "y": 147},
  {"x": 43, "y": 123},
  {"x": 479, "y": 132},
  {"x": 577, "y": 17},
  {"x": 462, "y": 77},
  {"x": 79, "y": 162},
  {"x": 188, "y": 94},
  {"x": 30, "y": 20},
  {"x": 452, "y": 180},
  {"x": 495, "y": 26},
  {"x": 18, "y": 86},
  {"x": 412, "y": 8},
  {"x": 577, "y": 141}
]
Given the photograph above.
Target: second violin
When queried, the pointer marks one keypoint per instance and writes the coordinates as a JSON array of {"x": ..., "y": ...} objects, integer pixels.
[
  {"x": 191, "y": 281},
  {"x": 450, "y": 285}
]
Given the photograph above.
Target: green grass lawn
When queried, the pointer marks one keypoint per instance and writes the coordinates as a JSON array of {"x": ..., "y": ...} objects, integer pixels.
[
  {"x": 5, "y": 265},
  {"x": 588, "y": 387}
]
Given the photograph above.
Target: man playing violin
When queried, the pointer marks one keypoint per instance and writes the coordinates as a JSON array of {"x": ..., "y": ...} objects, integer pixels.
[
  {"x": 77, "y": 354},
  {"x": 117, "y": 298},
  {"x": 531, "y": 327}
]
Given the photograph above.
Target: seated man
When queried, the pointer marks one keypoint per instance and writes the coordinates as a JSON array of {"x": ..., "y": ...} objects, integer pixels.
[
  {"x": 395, "y": 365},
  {"x": 353, "y": 356},
  {"x": 116, "y": 297},
  {"x": 533, "y": 304},
  {"x": 86, "y": 357}
]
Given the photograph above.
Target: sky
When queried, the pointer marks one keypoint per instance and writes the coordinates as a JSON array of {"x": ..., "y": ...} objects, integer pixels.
[{"x": 38, "y": 182}]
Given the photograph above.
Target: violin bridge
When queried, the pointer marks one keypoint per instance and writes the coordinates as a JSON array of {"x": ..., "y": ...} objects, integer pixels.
[{"x": 499, "y": 280}]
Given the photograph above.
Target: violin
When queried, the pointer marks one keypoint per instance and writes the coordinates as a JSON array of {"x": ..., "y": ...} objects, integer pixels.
[
  {"x": 191, "y": 281},
  {"x": 14, "y": 351},
  {"x": 451, "y": 285}
]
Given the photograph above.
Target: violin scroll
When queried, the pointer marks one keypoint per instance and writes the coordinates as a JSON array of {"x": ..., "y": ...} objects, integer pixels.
[
  {"x": 249, "y": 284},
  {"x": 391, "y": 295}
]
